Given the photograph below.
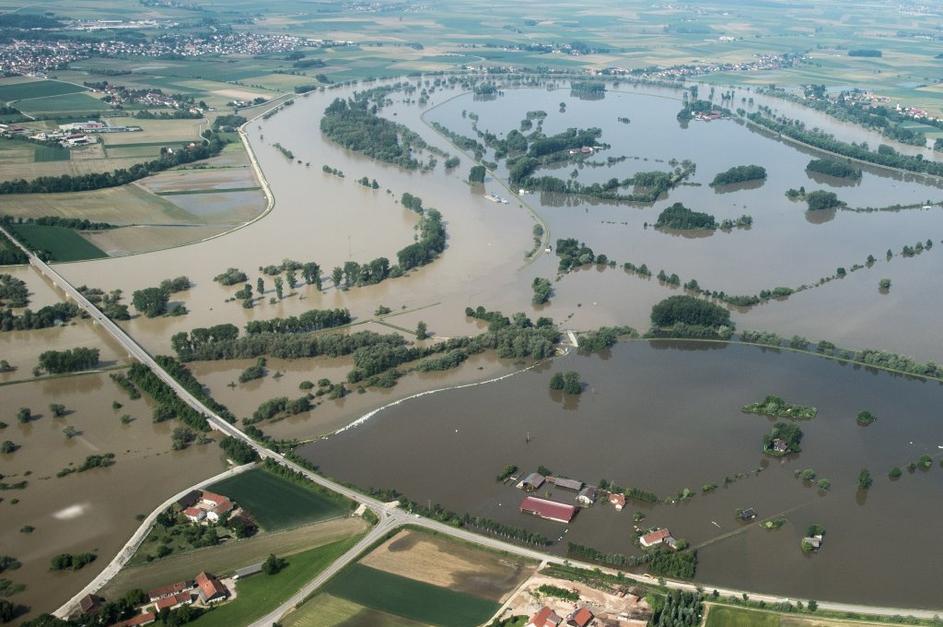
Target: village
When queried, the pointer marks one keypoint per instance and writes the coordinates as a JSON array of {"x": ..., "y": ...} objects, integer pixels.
[{"x": 68, "y": 135}]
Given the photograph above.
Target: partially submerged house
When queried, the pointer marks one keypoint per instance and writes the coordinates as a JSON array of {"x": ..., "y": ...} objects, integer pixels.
[
  {"x": 587, "y": 496},
  {"x": 548, "y": 510},
  {"x": 532, "y": 482},
  {"x": 659, "y": 536}
]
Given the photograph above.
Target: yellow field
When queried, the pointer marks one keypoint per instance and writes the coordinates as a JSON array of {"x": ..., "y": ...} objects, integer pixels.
[
  {"x": 325, "y": 610},
  {"x": 129, "y": 204},
  {"x": 446, "y": 563},
  {"x": 154, "y": 131}
]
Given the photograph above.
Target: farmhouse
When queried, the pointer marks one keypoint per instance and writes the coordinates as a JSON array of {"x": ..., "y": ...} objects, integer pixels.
[
  {"x": 569, "y": 484},
  {"x": 587, "y": 496},
  {"x": 580, "y": 618},
  {"x": 545, "y": 617},
  {"x": 141, "y": 619},
  {"x": 655, "y": 538},
  {"x": 548, "y": 510},
  {"x": 173, "y": 602},
  {"x": 170, "y": 590},
  {"x": 211, "y": 590},
  {"x": 205, "y": 505},
  {"x": 194, "y": 514},
  {"x": 532, "y": 482}
]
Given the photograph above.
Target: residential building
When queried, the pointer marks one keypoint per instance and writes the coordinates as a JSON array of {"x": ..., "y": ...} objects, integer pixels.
[
  {"x": 194, "y": 514},
  {"x": 532, "y": 482},
  {"x": 141, "y": 619},
  {"x": 90, "y": 603},
  {"x": 580, "y": 618},
  {"x": 569, "y": 484},
  {"x": 587, "y": 496},
  {"x": 617, "y": 500},
  {"x": 545, "y": 617},
  {"x": 170, "y": 590},
  {"x": 654, "y": 538},
  {"x": 173, "y": 602},
  {"x": 211, "y": 589}
]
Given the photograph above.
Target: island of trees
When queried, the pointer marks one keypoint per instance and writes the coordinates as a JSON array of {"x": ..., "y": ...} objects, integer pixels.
[
  {"x": 783, "y": 439},
  {"x": 740, "y": 174},
  {"x": 679, "y": 217},
  {"x": 820, "y": 200},
  {"x": 834, "y": 167},
  {"x": 776, "y": 407},
  {"x": 687, "y": 316}
]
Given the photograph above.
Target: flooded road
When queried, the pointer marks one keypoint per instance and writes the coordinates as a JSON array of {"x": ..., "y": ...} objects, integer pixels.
[{"x": 663, "y": 417}]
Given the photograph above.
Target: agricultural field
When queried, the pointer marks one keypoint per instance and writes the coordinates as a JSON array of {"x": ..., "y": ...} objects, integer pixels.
[
  {"x": 62, "y": 244},
  {"x": 409, "y": 598},
  {"x": 260, "y": 594},
  {"x": 12, "y": 90},
  {"x": 129, "y": 204},
  {"x": 225, "y": 558},
  {"x": 51, "y": 153},
  {"x": 326, "y": 610},
  {"x": 66, "y": 104},
  {"x": 277, "y": 503},
  {"x": 441, "y": 561},
  {"x": 727, "y": 616}
]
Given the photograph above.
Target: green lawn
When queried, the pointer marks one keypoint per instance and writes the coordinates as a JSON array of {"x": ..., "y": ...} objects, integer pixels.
[
  {"x": 51, "y": 153},
  {"x": 74, "y": 103},
  {"x": 36, "y": 89},
  {"x": 723, "y": 616},
  {"x": 260, "y": 594},
  {"x": 63, "y": 244},
  {"x": 409, "y": 598},
  {"x": 277, "y": 503}
]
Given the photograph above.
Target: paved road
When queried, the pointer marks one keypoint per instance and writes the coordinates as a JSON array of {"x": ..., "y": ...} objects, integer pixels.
[
  {"x": 132, "y": 545},
  {"x": 390, "y": 517}
]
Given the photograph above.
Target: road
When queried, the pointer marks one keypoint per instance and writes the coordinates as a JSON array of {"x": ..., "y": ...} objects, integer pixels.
[
  {"x": 390, "y": 517},
  {"x": 131, "y": 546}
]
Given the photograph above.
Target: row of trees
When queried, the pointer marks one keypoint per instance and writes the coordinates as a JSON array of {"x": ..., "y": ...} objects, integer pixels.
[
  {"x": 280, "y": 407},
  {"x": 313, "y": 320},
  {"x": 211, "y": 146},
  {"x": 47, "y": 316},
  {"x": 70, "y": 360},
  {"x": 13, "y": 291}
]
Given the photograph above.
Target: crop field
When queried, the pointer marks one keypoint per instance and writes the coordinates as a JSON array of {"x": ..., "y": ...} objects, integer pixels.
[
  {"x": 10, "y": 91},
  {"x": 726, "y": 616},
  {"x": 262, "y": 593},
  {"x": 276, "y": 503},
  {"x": 51, "y": 153},
  {"x": 408, "y": 598},
  {"x": 73, "y": 103},
  {"x": 128, "y": 204},
  {"x": 447, "y": 563},
  {"x": 326, "y": 610},
  {"x": 63, "y": 244}
]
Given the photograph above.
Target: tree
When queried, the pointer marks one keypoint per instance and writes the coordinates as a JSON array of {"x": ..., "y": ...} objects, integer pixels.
[
  {"x": 260, "y": 286},
  {"x": 58, "y": 410},
  {"x": 279, "y": 287},
  {"x": 312, "y": 274},
  {"x": 24, "y": 415},
  {"x": 151, "y": 301},
  {"x": 884, "y": 285},
  {"x": 477, "y": 174},
  {"x": 864, "y": 479},
  {"x": 273, "y": 565},
  {"x": 812, "y": 605},
  {"x": 572, "y": 383},
  {"x": 556, "y": 381},
  {"x": 422, "y": 332},
  {"x": 337, "y": 274},
  {"x": 292, "y": 279},
  {"x": 688, "y": 310},
  {"x": 8, "y": 611},
  {"x": 8, "y": 447}
]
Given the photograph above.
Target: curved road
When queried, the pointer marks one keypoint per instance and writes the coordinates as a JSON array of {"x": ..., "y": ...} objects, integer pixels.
[{"x": 390, "y": 516}]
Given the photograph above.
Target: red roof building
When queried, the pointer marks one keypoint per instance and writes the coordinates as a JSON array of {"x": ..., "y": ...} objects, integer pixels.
[
  {"x": 141, "y": 619},
  {"x": 617, "y": 500},
  {"x": 194, "y": 514},
  {"x": 211, "y": 589},
  {"x": 215, "y": 500},
  {"x": 182, "y": 598},
  {"x": 170, "y": 590},
  {"x": 580, "y": 618},
  {"x": 656, "y": 537},
  {"x": 549, "y": 510},
  {"x": 545, "y": 618}
]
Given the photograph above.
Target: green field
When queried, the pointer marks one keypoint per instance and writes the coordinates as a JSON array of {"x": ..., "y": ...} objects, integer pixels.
[
  {"x": 36, "y": 89},
  {"x": 722, "y": 616},
  {"x": 63, "y": 244},
  {"x": 260, "y": 594},
  {"x": 276, "y": 503},
  {"x": 73, "y": 103},
  {"x": 51, "y": 153},
  {"x": 409, "y": 598}
]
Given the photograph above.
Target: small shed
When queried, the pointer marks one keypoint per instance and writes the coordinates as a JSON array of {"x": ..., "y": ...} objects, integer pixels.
[
  {"x": 533, "y": 481},
  {"x": 248, "y": 571},
  {"x": 569, "y": 484}
]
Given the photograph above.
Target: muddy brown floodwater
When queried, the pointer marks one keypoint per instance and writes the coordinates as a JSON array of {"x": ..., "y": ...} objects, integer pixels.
[
  {"x": 665, "y": 416},
  {"x": 93, "y": 510}
]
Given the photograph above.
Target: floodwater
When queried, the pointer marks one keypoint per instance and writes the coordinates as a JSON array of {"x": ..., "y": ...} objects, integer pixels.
[
  {"x": 665, "y": 416},
  {"x": 330, "y": 220},
  {"x": 90, "y": 511}
]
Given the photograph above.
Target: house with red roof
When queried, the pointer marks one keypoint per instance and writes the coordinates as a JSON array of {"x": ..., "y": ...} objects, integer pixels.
[
  {"x": 545, "y": 617},
  {"x": 617, "y": 500},
  {"x": 141, "y": 619},
  {"x": 170, "y": 590},
  {"x": 210, "y": 589},
  {"x": 580, "y": 618},
  {"x": 173, "y": 602},
  {"x": 194, "y": 514},
  {"x": 655, "y": 538}
]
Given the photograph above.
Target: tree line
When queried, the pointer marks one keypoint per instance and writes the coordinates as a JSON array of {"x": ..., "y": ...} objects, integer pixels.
[
  {"x": 211, "y": 146},
  {"x": 69, "y": 360}
]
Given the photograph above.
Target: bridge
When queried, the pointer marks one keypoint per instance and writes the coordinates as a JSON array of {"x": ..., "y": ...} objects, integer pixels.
[{"x": 389, "y": 514}]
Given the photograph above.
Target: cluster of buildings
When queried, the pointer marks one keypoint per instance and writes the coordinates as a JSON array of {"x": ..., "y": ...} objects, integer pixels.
[
  {"x": 205, "y": 590},
  {"x": 658, "y": 537},
  {"x": 546, "y": 617},
  {"x": 688, "y": 70},
  {"x": 203, "y": 506},
  {"x": 116, "y": 95},
  {"x": 586, "y": 496},
  {"x": 68, "y": 135}
]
